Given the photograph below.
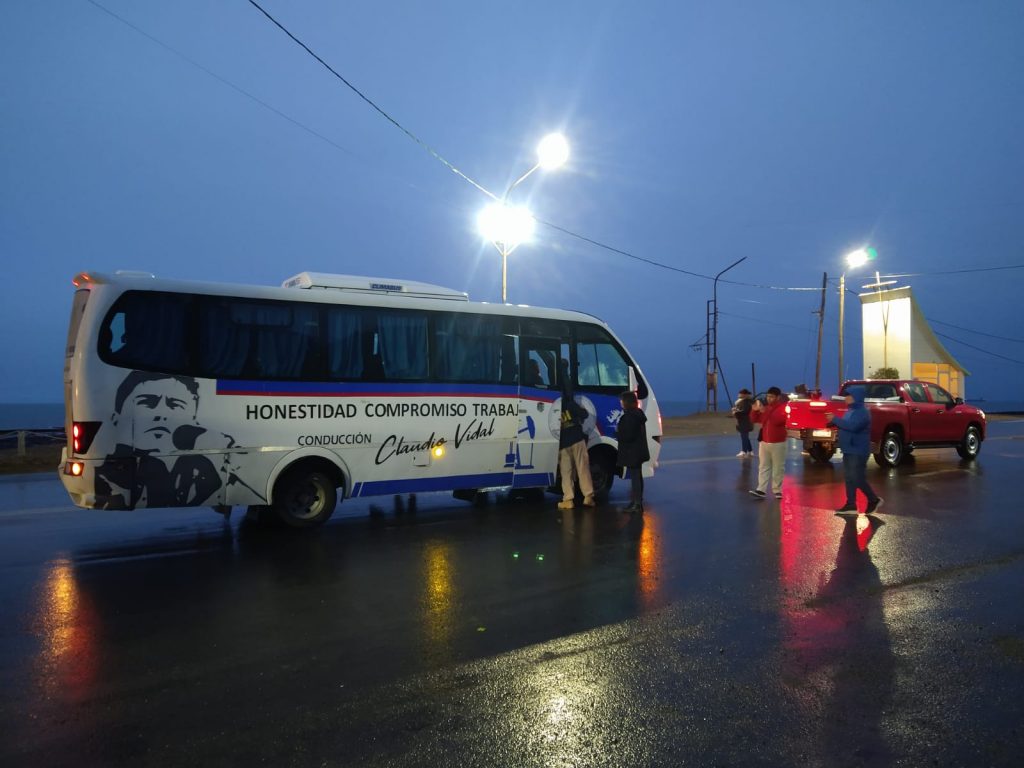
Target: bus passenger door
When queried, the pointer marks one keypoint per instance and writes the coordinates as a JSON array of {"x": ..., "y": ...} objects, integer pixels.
[{"x": 535, "y": 454}]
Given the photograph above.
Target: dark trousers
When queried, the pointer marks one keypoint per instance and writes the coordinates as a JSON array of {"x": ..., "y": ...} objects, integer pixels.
[
  {"x": 745, "y": 442},
  {"x": 855, "y": 475},
  {"x": 636, "y": 485}
]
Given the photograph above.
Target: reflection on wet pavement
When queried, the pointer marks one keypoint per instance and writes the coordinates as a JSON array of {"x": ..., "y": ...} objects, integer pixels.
[{"x": 714, "y": 628}]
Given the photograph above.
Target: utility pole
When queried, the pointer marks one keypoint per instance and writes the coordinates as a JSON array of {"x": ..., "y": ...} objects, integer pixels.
[
  {"x": 821, "y": 327},
  {"x": 713, "y": 366}
]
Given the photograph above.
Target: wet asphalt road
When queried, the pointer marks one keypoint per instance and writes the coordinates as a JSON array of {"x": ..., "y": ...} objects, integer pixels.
[{"x": 714, "y": 630}]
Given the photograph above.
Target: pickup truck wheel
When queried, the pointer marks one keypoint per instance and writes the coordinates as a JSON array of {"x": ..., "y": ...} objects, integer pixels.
[
  {"x": 821, "y": 454},
  {"x": 891, "y": 450},
  {"x": 968, "y": 449}
]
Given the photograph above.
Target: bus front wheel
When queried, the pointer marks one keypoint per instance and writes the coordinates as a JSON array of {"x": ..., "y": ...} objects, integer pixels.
[
  {"x": 602, "y": 471},
  {"x": 304, "y": 497}
]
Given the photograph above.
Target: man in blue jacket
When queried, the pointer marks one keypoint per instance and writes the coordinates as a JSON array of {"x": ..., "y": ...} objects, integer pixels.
[{"x": 855, "y": 443}]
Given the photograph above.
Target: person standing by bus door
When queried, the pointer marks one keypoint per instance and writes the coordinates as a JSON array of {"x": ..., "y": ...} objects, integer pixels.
[
  {"x": 573, "y": 460},
  {"x": 855, "y": 443},
  {"x": 771, "y": 451},
  {"x": 741, "y": 412},
  {"x": 631, "y": 434}
]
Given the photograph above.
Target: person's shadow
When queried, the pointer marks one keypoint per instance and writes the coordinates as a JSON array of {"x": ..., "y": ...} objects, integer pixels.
[{"x": 841, "y": 652}]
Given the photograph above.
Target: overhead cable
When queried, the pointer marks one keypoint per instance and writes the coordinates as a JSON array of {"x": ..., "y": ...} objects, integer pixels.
[
  {"x": 979, "y": 349},
  {"x": 437, "y": 155},
  {"x": 434, "y": 153},
  {"x": 979, "y": 333},
  {"x": 226, "y": 82}
]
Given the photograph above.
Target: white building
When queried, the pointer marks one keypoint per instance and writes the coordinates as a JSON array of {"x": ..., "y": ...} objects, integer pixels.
[{"x": 897, "y": 335}]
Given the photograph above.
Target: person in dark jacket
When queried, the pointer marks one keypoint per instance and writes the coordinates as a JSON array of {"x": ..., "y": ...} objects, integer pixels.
[
  {"x": 631, "y": 434},
  {"x": 855, "y": 443},
  {"x": 573, "y": 459},
  {"x": 741, "y": 412}
]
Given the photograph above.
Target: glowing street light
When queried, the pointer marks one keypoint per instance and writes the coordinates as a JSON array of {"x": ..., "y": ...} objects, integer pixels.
[
  {"x": 552, "y": 152},
  {"x": 854, "y": 259},
  {"x": 508, "y": 227}
]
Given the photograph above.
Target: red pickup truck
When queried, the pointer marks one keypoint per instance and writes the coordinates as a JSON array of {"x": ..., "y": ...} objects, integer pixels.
[{"x": 905, "y": 415}]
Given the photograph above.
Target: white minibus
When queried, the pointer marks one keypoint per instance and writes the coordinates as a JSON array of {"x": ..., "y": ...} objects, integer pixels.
[{"x": 187, "y": 393}]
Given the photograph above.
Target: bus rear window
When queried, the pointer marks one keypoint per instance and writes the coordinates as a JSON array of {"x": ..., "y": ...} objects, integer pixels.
[{"x": 77, "y": 312}]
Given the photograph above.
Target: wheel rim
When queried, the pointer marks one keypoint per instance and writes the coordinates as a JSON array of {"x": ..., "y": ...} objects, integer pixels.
[
  {"x": 891, "y": 450},
  {"x": 972, "y": 442},
  {"x": 306, "y": 502}
]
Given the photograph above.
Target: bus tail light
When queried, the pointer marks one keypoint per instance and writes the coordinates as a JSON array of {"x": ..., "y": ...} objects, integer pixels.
[
  {"x": 82, "y": 435},
  {"x": 74, "y": 468}
]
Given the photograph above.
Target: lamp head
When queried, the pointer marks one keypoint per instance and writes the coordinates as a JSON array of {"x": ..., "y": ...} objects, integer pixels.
[
  {"x": 552, "y": 152},
  {"x": 506, "y": 225},
  {"x": 858, "y": 258}
]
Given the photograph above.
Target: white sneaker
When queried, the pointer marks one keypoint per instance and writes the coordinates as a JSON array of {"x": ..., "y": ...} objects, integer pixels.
[{"x": 741, "y": 455}]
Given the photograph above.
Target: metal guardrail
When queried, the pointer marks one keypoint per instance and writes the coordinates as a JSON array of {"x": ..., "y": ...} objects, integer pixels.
[{"x": 23, "y": 439}]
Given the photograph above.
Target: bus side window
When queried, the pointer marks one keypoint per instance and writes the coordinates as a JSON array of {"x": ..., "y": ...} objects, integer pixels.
[
  {"x": 601, "y": 362},
  {"x": 509, "y": 355}
]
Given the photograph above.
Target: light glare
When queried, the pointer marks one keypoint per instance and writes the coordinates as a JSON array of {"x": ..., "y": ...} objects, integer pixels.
[
  {"x": 506, "y": 225},
  {"x": 857, "y": 258},
  {"x": 553, "y": 151}
]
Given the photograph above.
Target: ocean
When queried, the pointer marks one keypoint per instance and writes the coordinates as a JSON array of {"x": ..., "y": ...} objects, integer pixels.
[{"x": 51, "y": 415}]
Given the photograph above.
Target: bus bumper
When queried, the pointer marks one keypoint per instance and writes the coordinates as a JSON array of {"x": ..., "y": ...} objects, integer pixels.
[{"x": 79, "y": 479}]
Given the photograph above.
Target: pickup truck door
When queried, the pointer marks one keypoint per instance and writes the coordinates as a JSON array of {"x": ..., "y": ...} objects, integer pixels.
[
  {"x": 922, "y": 413},
  {"x": 949, "y": 424}
]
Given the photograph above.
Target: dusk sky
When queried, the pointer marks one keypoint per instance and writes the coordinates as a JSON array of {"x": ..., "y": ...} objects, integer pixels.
[{"x": 196, "y": 140}]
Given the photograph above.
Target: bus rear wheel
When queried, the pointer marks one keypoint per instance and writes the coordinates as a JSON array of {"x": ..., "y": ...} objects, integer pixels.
[{"x": 304, "y": 498}]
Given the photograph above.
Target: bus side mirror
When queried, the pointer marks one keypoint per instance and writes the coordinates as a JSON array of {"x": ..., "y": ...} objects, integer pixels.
[{"x": 633, "y": 383}]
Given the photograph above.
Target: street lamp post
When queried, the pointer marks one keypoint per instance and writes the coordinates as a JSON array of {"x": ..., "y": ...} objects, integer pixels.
[
  {"x": 853, "y": 260},
  {"x": 507, "y": 227}
]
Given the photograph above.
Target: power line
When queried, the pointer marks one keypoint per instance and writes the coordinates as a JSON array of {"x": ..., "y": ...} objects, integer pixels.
[
  {"x": 437, "y": 155},
  {"x": 217, "y": 77},
  {"x": 434, "y": 153},
  {"x": 958, "y": 271},
  {"x": 980, "y": 333},
  {"x": 979, "y": 349}
]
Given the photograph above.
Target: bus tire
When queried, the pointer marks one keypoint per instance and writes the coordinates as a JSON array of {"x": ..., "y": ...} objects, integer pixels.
[
  {"x": 304, "y": 497},
  {"x": 602, "y": 470}
]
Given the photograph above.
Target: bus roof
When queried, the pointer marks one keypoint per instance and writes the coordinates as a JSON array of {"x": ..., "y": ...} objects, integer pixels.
[{"x": 349, "y": 289}]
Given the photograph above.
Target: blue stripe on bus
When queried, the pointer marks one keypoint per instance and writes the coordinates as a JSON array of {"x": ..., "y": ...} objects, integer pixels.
[
  {"x": 391, "y": 389},
  {"x": 450, "y": 483}
]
